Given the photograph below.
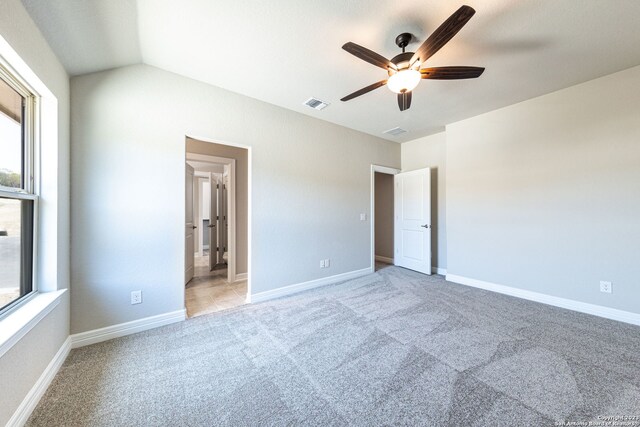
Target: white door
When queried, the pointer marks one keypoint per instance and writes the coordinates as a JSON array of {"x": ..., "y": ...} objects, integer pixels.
[
  {"x": 213, "y": 213},
  {"x": 413, "y": 220},
  {"x": 189, "y": 240}
]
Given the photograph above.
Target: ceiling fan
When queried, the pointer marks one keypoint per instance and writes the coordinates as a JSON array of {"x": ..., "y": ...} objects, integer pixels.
[{"x": 405, "y": 70}]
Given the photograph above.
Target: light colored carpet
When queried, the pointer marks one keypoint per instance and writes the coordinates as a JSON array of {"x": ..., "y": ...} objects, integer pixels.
[{"x": 391, "y": 348}]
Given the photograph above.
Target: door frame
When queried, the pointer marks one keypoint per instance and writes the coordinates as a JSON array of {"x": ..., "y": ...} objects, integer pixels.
[
  {"x": 189, "y": 170},
  {"x": 199, "y": 180},
  {"x": 390, "y": 171},
  {"x": 231, "y": 194},
  {"x": 249, "y": 276}
]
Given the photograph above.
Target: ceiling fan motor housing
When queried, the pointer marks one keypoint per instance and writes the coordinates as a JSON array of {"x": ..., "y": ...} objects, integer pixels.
[{"x": 401, "y": 61}]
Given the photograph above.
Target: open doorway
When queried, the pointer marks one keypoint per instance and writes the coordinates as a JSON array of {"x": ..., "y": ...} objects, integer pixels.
[
  {"x": 406, "y": 198},
  {"x": 382, "y": 216},
  {"x": 215, "y": 270}
]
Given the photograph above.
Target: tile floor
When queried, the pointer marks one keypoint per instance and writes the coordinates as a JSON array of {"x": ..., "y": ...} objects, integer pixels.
[{"x": 209, "y": 291}]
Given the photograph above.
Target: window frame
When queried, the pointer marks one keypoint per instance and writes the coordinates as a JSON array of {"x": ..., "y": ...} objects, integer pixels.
[{"x": 29, "y": 189}]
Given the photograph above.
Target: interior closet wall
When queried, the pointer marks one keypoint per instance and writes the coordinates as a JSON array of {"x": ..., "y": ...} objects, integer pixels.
[{"x": 383, "y": 186}]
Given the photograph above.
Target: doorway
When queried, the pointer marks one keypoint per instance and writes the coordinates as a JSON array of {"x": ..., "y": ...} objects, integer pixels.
[
  {"x": 211, "y": 216},
  {"x": 382, "y": 216},
  {"x": 212, "y": 280},
  {"x": 406, "y": 198}
]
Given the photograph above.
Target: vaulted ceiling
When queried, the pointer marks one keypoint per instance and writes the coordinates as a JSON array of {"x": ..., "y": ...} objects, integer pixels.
[{"x": 285, "y": 51}]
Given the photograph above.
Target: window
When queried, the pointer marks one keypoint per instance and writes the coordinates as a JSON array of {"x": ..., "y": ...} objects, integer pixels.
[{"x": 17, "y": 193}]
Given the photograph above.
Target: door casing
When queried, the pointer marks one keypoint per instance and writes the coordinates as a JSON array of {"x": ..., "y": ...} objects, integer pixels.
[{"x": 190, "y": 227}]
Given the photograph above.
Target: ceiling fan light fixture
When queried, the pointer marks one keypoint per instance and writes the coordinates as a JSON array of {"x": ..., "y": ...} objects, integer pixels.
[{"x": 404, "y": 81}]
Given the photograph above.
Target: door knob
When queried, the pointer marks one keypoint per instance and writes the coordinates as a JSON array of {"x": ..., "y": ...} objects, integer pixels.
[
  {"x": 211, "y": 225},
  {"x": 425, "y": 226},
  {"x": 194, "y": 227}
]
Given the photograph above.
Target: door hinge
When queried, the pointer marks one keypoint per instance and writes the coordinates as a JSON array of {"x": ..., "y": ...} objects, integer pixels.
[{"x": 217, "y": 186}]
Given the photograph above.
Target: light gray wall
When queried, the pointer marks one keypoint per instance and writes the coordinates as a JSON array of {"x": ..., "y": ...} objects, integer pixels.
[
  {"x": 545, "y": 195},
  {"x": 23, "y": 364},
  {"x": 242, "y": 202},
  {"x": 310, "y": 182},
  {"x": 430, "y": 152},
  {"x": 383, "y": 185}
]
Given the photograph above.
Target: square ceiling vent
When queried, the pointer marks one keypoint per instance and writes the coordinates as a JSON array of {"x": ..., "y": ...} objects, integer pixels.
[
  {"x": 395, "y": 131},
  {"x": 316, "y": 104}
]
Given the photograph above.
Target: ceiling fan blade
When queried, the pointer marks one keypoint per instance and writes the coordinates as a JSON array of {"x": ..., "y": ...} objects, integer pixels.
[
  {"x": 370, "y": 56},
  {"x": 451, "y": 73},
  {"x": 443, "y": 34},
  {"x": 365, "y": 90},
  {"x": 404, "y": 100}
]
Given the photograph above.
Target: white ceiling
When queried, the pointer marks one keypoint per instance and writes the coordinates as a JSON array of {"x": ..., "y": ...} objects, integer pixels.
[
  {"x": 89, "y": 36},
  {"x": 285, "y": 51}
]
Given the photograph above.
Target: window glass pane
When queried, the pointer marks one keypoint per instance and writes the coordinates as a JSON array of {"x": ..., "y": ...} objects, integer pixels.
[
  {"x": 11, "y": 145},
  {"x": 16, "y": 249}
]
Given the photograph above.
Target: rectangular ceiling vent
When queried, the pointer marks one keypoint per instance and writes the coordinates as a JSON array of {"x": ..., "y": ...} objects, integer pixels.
[
  {"x": 316, "y": 103},
  {"x": 395, "y": 131}
]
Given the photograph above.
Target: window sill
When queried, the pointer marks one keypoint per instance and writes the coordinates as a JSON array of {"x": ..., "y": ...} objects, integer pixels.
[{"x": 19, "y": 322}]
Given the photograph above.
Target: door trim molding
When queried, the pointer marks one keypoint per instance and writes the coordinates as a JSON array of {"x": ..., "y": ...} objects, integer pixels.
[
  {"x": 188, "y": 272},
  {"x": 372, "y": 212}
]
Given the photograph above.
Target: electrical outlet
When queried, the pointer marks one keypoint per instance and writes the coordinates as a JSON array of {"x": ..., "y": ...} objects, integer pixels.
[
  {"x": 136, "y": 297},
  {"x": 363, "y": 217},
  {"x": 327, "y": 263},
  {"x": 321, "y": 263},
  {"x": 605, "y": 287}
]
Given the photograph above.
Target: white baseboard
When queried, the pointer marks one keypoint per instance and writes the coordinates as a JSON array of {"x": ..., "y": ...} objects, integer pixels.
[
  {"x": 304, "y": 286},
  {"x": 582, "y": 307},
  {"x": 242, "y": 276},
  {"x": 29, "y": 403},
  {"x": 384, "y": 259},
  {"x": 128, "y": 328},
  {"x": 438, "y": 270}
]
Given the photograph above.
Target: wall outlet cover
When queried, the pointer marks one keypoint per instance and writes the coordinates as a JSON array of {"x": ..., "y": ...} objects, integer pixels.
[
  {"x": 605, "y": 287},
  {"x": 136, "y": 297}
]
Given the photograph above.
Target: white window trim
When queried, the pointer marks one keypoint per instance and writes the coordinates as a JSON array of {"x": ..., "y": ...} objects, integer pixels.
[{"x": 19, "y": 320}]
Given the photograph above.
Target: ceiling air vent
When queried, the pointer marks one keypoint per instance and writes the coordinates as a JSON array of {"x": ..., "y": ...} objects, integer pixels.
[
  {"x": 395, "y": 131},
  {"x": 316, "y": 103}
]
